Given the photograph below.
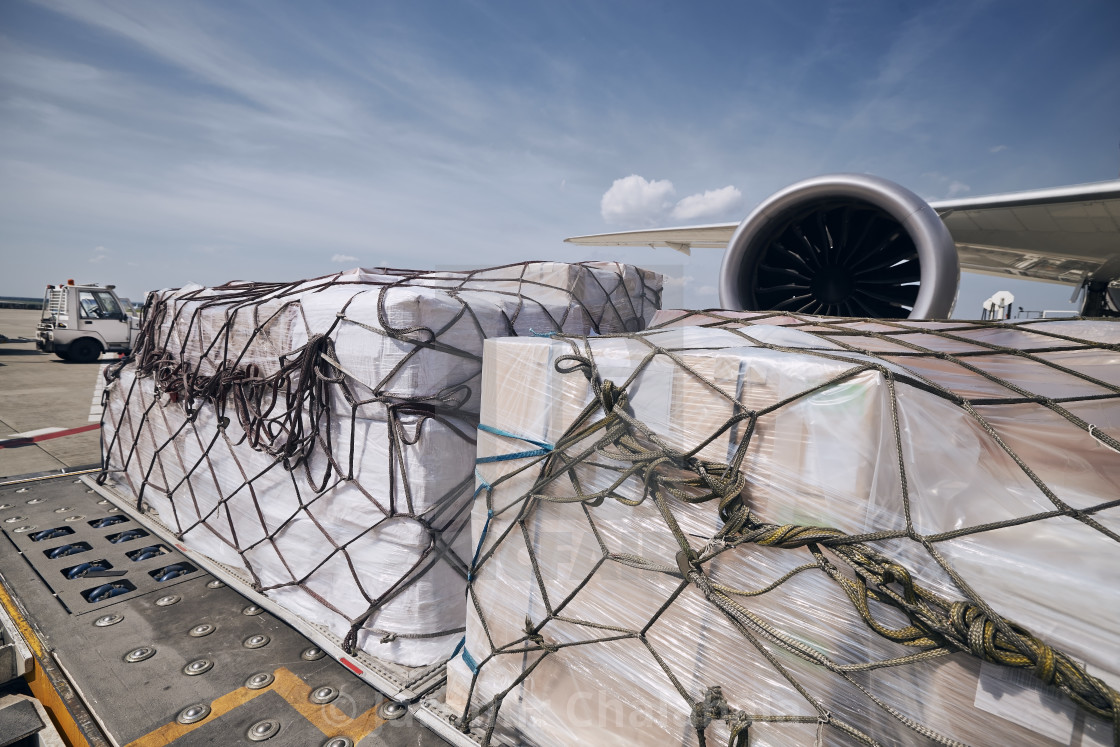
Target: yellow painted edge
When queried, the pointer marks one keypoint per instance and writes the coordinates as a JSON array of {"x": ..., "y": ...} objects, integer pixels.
[
  {"x": 24, "y": 627},
  {"x": 46, "y": 693},
  {"x": 38, "y": 681},
  {"x": 327, "y": 718}
]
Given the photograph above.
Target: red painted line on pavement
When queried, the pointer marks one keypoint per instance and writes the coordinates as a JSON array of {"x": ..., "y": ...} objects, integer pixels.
[{"x": 15, "y": 443}]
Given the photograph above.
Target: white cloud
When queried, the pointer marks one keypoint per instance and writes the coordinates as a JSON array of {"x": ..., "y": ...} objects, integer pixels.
[
  {"x": 712, "y": 203},
  {"x": 997, "y": 148},
  {"x": 99, "y": 255},
  {"x": 343, "y": 259},
  {"x": 633, "y": 200},
  {"x": 957, "y": 188}
]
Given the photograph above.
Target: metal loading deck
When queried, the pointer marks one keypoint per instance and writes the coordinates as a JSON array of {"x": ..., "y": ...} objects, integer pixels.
[{"x": 135, "y": 643}]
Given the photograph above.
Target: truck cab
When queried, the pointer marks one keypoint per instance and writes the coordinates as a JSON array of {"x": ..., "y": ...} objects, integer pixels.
[{"x": 80, "y": 322}]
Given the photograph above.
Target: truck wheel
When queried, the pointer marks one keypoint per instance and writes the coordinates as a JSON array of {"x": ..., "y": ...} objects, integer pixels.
[
  {"x": 85, "y": 350},
  {"x": 63, "y": 355}
]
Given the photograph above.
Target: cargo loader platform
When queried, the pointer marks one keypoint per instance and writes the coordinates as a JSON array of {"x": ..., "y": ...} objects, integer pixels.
[{"x": 133, "y": 642}]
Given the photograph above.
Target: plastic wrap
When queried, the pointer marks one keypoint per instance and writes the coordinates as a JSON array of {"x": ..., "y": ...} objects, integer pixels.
[
  {"x": 320, "y": 436},
  {"x": 584, "y": 626},
  {"x": 405, "y": 335}
]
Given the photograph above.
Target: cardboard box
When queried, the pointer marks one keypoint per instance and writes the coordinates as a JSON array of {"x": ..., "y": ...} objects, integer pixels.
[
  {"x": 376, "y": 510},
  {"x": 588, "y": 578}
]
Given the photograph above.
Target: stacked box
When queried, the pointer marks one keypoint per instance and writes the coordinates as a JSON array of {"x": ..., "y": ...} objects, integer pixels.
[
  {"x": 584, "y": 626},
  {"x": 319, "y": 436}
]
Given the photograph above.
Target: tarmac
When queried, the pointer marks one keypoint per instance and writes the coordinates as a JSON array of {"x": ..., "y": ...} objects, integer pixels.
[{"x": 41, "y": 395}]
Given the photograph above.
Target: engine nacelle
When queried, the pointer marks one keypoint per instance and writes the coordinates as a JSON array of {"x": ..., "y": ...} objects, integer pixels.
[{"x": 842, "y": 245}]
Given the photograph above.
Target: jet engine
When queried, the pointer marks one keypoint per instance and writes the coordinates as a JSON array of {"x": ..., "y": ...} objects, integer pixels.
[{"x": 842, "y": 245}]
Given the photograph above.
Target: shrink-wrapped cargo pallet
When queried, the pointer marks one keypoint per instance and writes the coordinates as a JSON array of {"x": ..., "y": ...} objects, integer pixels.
[
  {"x": 318, "y": 437},
  {"x": 798, "y": 530}
]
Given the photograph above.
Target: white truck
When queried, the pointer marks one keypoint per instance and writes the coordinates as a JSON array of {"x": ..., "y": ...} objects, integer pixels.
[{"x": 80, "y": 322}]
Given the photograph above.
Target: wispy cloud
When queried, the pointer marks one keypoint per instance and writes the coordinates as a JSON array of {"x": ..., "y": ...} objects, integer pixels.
[
  {"x": 943, "y": 186},
  {"x": 343, "y": 259},
  {"x": 677, "y": 282},
  {"x": 190, "y": 40},
  {"x": 957, "y": 188},
  {"x": 276, "y": 136}
]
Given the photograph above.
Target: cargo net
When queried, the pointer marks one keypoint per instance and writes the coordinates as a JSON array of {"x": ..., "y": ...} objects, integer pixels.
[
  {"x": 632, "y": 585},
  {"x": 319, "y": 436}
]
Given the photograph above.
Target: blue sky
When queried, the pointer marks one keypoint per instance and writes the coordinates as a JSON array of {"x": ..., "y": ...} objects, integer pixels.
[{"x": 152, "y": 144}]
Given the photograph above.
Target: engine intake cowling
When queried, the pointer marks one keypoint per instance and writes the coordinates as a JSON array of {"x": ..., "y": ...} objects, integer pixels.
[{"x": 842, "y": 245}]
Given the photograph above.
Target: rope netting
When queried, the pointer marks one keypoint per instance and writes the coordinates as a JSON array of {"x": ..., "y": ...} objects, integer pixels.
[
  {"x": 771, "y": 528},
  {"x": 319, "y": 436}
]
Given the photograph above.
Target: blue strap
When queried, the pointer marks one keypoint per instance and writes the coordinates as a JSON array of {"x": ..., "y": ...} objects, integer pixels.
[
  {"x": 471, "y": 663},
  {"x": 516, "y": 455},
  {"x": 482, "y": 484},
  {"x": 545, "y": 448},
  {"x": 542, "y": 334},
  {"x": 481, "y": 539}
]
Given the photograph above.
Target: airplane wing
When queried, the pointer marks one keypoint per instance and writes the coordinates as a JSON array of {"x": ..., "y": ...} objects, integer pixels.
[
  {"x": 1060, "y": 235},
  {"x": 714, "y": 236}
]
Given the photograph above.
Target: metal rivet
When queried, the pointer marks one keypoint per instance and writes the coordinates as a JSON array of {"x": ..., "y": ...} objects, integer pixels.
[
  {"x": 263, "y": 730},
  {"x": 312, "y": 654},
  {"x": 113, "y": 510},
  {"x": 391, "y": 709},
  {"x": 77, "y": 482},
  {"x": 193, "y": 714},
  {"x": 35, "y": 501},
  {"x": 89, "y": 491},
  {"x": 259, "y": 681},
  {"x": 23, "y": 490},
  {"x": 14, "y": 519},
  {"x": 256, "y": 641},
  {"x": 339, "y": 742},
  {"x": 198, "y": 666},
  {"x": 252, "y": 610},
  {"x": 25, "y": 528},
  {"x": 64, "y": 509},
  {"x": 106, "y": 620},
  {"x": 323, "y": 695},
  {"x": 77, "y": 517},
  {"x": 168, "y": 600},
  {"x": 215, "y": 584},
  {"x": 140, "y": 654},
  {"x": 204, "y": 629},
  {"x": 4, "y": 506},
  {"x": 103, "y": 502}
]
